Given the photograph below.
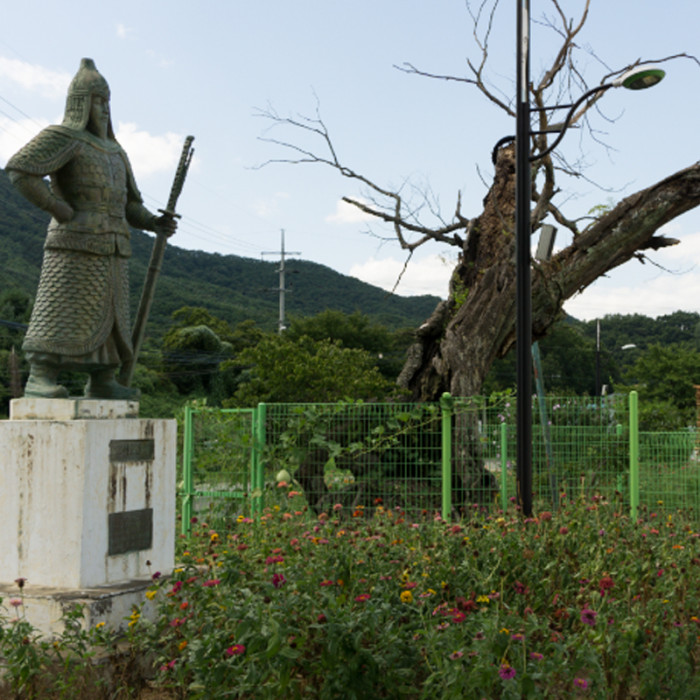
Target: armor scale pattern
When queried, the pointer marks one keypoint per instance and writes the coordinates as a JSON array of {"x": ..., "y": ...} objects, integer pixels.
[{"x": 80, "y": 299}]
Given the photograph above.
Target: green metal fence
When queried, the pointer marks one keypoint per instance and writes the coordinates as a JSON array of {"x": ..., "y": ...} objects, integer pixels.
[
  {"x": 220, "y": 460},
  {"x": 447, "y": 458}
]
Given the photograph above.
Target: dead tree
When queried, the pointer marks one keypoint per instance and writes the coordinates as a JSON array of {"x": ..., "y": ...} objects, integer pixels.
[{"x": 455, "y": 347}]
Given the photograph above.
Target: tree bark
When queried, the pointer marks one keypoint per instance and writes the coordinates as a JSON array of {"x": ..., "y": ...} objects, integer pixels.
[{"x": 458, "y": 343}]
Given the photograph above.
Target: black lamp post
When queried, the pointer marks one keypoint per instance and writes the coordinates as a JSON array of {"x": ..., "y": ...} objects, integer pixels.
[{"x": 635, "y": 79}]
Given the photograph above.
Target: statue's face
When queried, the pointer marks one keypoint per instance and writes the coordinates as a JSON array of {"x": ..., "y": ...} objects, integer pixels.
[{"x": 98, "y": 123}]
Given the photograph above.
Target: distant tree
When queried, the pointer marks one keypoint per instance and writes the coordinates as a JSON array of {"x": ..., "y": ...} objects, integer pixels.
[
  {"x": 190, "y": 316},
  {"x": 664, "y": 377},
  {"x": 283, "y": 369},
  {"x": 194, "y": 348},
  {"x": 356, "y": 330}
]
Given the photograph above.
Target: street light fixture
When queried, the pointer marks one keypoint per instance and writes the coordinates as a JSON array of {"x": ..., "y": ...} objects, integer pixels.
[{"x": 637, "y": 78}]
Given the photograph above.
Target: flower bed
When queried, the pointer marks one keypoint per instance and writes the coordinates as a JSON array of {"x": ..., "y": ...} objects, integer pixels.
[{"x": 370, "y": 604}]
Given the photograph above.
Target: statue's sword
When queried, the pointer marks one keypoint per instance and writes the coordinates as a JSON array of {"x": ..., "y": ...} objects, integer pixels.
[{"x": 149, "y": 286}]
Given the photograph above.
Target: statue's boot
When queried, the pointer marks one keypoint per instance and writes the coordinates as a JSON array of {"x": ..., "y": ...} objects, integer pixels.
[
  {"x": 103, "y": 385},
  {"x": 42, "y": 382}
]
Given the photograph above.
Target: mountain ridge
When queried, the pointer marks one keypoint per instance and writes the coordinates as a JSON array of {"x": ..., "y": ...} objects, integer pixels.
[{"x": 231, "y": 287}]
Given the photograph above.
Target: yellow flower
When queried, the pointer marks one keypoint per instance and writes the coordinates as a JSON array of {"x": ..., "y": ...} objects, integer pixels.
[
  {"x": 483, "y": 599},
  {"x": 99, "y": 625},
  {"x": 214, "y": 537},
  {"x": 151, "y": 594},
  {"x": 240, "y": 518},
  {"x": 443, "y": 584},
  {"x": 406, "y": 597},
  {"x": 182, "y": 644},
  {"x": 504, "y": 630}
]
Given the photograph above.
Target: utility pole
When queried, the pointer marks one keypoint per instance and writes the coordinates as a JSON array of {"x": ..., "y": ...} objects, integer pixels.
[
  {"x": 598, "y": 386},
  {"x": 282, "y": 289}
]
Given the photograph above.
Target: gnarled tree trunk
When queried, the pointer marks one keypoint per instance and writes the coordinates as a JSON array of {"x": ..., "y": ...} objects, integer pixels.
[{"x": 458, "y": 343}]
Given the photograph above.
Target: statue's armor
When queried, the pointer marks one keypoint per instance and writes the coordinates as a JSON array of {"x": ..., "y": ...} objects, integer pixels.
[{"x": 83, "y": 291}]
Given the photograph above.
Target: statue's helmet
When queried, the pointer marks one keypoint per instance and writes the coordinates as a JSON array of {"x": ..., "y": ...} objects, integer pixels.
[{"x": 87, "y": 82}]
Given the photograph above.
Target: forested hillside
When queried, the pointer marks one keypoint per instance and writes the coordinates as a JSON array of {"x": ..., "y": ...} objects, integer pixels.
[{"x": 230, "y": 287}]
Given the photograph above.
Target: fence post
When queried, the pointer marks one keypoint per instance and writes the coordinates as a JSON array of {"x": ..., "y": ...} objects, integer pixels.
[
  {"x": 187, "y": 476},
  {"x": 446, "y": 407},
  {"x": 634, "y": 454},
  {"x": 258, "y": 475},
  {"x": 504, "y": 466}
]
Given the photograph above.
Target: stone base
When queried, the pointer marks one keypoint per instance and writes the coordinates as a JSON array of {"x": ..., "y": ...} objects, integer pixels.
[
  {"x": 71, "y": 409},
  {"x": 44, "y": 608},
  {"x": 87, "y": 494}
]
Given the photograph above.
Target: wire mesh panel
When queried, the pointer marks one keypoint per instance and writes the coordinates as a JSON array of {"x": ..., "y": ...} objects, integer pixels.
[
  {"x": 580, "y": 446},
  {"x": 356, "y": 456},
  {"x": 669, "y": 470},
  {"x": 481, "y": 468},
  {"x": 218, "y": 459}
]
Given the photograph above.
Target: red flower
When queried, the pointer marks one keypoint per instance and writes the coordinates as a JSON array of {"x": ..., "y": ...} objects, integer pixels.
[
  {"x": 521, "y": 588},
  {"x": 235, "y": 650},
  {"x": 362, "y": 598},
  {"x": 278, "y": 580},
  {"x": 605, "y": 584}
]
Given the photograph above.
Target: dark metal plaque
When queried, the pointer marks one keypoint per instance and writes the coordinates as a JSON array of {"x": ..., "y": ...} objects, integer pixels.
[
  {"x": 131, "y": 450},
  {"x": 130, "y": 531}
]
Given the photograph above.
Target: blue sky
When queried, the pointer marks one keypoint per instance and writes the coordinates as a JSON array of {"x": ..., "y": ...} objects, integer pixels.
[{"x": 177, "y": 68}]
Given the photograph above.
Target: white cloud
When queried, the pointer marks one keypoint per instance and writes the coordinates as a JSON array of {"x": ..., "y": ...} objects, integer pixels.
[
  {"x": 15, "y": 133},
  {"x": 348, "y": 214},
  {"x": 124, "y": 32},
  {"x": 35, "y": 78},
  {"x": 268, "y": 207},
  {"x": 149, "y": 154},
  {"x": 429, "y": 275}
]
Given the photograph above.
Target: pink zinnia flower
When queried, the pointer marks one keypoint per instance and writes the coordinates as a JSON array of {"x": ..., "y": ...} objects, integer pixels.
[
  {"x": 588, "y": 616},
  {"x": 235, "y": 650},
  {"x": 362, "y": 598},
  {"x": 581, "y": 683},
  {"x": 506, "y": 672},
  {"x": 278, "y": 580},
  {"x": 212, "y": 582},
  {"x": 456, "y": 655}
]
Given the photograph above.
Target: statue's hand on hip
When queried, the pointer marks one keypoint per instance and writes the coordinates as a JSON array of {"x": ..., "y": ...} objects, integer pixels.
[{"x": 61, "y": 210}]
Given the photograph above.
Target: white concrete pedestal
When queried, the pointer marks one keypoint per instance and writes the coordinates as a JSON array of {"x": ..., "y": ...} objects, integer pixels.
[{"x": 87, "y": 497}]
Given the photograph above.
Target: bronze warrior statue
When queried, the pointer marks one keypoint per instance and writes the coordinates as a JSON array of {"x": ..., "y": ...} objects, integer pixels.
[{"x": 80, "y": 319}]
